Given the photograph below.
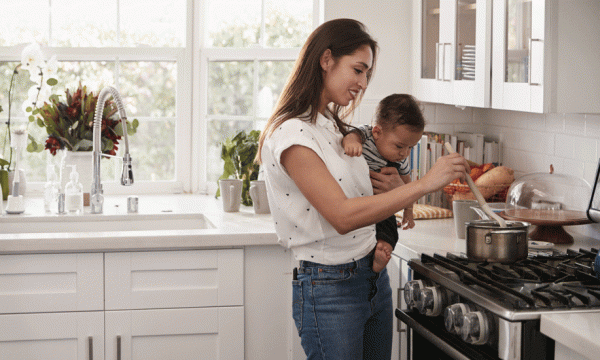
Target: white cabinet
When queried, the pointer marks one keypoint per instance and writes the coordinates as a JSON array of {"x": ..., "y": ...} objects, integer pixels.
[
  {"x": 545, "y": 56},
  {"x": 197, "y": 299},
  {"x": 452, "y": 51},
  {"x": 51, "y": 283},
  {"x": 399, "y": 275},
  {"x": 176, "y": 334},
  {"x": 52, "y": 336},
  {"x": 136, "y": 305},
  {"x": 174, "y": 279}
]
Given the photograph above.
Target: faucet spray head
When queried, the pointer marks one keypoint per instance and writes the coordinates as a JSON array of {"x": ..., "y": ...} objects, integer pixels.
[{"x": 127, "y": 176}]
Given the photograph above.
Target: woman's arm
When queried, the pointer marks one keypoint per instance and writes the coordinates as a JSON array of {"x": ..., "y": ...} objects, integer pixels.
[{"x": 345, "y": 214}]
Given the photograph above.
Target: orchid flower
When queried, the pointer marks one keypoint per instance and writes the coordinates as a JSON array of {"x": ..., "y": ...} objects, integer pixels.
[{"x": 32, "y": 58}]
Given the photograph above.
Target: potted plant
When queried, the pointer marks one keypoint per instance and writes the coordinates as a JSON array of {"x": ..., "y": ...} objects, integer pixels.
[{"x": 238, "y": 153}]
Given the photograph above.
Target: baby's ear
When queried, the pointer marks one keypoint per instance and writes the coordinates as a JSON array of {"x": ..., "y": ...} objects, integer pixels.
[{"x": 377, "y": 131}]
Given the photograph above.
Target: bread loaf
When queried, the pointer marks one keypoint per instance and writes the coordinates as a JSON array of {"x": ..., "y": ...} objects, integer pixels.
[{"x": 493, "y": 181}]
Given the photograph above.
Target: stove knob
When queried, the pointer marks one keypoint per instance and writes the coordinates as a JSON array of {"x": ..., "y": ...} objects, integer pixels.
[
  {"x": 431, "y": 301},
  {"x": 453, "y": 317},
  {"x": 411, "y": 292},
  {"x": 475, "y": 328}
]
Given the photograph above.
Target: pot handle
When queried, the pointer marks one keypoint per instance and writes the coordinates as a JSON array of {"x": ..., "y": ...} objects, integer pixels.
[{"x": 488, "y": 236}]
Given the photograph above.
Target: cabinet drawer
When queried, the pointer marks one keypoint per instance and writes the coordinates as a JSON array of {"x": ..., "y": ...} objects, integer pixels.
[
  {"x": 51, "y": 283},
  {"x": 176, "y": 334},
  {"x": 55, "y": 336},
  {"x": 174, "y": 279}
]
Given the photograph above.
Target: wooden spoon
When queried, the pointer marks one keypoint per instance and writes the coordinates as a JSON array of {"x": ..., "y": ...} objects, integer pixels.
[{"x": 478, "y": 196}]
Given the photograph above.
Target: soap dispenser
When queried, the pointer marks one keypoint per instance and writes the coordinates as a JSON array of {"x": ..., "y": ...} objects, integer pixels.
[
  {"x": 51, "y": 190},
  {"x": 74, "y": 193}
]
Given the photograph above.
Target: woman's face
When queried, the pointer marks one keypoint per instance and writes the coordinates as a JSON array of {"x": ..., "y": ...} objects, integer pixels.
[{"x": 344, "y": 78}]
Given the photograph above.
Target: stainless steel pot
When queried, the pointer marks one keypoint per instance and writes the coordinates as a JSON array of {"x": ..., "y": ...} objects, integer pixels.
[{"x": 487, "y": 241}]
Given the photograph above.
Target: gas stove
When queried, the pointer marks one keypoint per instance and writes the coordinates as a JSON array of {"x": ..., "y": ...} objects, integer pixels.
[{"x": 491, "y": 310}]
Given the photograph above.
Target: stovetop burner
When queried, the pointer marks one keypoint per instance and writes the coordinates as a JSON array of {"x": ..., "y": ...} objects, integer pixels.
[{"x": 560, "y": 281}]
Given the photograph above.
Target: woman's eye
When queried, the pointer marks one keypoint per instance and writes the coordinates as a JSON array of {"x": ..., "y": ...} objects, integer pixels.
[{"x": 358, "y": 71}]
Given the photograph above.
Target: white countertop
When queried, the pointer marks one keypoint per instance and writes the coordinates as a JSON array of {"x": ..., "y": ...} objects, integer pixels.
[{"x": 579, "y": 332}]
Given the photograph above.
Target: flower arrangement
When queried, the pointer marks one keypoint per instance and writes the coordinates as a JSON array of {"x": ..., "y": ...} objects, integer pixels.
[
  {"x": 32, "y": 60},
  {"x": 69, "y": 124}
]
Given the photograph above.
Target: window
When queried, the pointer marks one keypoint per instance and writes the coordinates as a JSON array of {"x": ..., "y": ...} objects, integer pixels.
[
  {"x": 191, "y": 71},
  {"x": 247, "y": 56}
]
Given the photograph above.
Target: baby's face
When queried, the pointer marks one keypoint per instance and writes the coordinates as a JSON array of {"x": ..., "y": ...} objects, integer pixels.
[{"x": 395, "y": 144}]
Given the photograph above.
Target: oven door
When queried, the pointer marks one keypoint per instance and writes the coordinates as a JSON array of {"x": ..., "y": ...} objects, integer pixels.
[{"x": 430, "y": 340}]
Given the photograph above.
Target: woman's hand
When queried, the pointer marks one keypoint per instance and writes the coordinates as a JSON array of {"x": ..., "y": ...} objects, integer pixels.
[
  {"x": 385, "y": 180},
  {"x": 445, "y": 170}
]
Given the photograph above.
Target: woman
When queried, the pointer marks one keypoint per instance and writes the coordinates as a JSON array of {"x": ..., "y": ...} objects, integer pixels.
[{"x": 322, "y": 200}]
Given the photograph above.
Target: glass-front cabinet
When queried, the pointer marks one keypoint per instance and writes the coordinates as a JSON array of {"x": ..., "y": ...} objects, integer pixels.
[
  {"x": 453, "y": 51},
  {"x": 545, "y": 56}
]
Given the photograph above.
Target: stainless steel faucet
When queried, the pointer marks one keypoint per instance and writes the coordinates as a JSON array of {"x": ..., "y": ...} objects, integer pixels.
[{"x": 96, "y": 197}]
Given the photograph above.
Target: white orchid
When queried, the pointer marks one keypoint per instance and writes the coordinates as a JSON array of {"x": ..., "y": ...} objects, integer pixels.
[
  {"x": 51, "y": 68},
  {"x": 32, "y": 58}
]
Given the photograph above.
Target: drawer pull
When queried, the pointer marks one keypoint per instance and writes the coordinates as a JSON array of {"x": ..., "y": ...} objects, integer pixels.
[
  {"x": 91, "y": 348},
  {"x": 118, "y": 347}
]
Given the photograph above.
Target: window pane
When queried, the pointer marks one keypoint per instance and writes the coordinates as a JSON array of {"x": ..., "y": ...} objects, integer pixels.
[
  {"x": 152, "y": 149},
  {"x": 287, "y": 23},
  {"x": 157, "y": 24},
  {"x": 149, "y": 88},
  {"x": 230, "y": 88},
  {"x": 94, "y": 75},
  {"x": 217, "y": 132},
  {"x": 271, "y": 79},
  {"x": 84, "y": 23},
  {"x": 233, "y": 23},
  {"x": 20, "y": 25}
]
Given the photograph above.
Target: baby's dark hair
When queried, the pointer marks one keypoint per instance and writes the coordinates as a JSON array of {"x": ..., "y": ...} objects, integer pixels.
[{"x": 399, "y": 109}]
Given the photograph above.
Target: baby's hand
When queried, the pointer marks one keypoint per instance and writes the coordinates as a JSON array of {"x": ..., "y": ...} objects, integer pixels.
[
  {"x": 353, "y": 148},
  {"x": 408, "y": 221}
]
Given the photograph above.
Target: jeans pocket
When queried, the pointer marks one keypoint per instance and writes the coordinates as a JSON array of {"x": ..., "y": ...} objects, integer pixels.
[
  {"x": 297, "y": 304},
  {"x": 332, "y": 277}
]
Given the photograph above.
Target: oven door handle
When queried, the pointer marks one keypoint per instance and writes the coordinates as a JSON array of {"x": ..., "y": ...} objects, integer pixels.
[{"x": 429, "y": 336}]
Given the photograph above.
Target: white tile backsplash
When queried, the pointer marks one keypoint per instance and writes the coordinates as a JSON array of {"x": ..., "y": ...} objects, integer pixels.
[{"x": 531, "y": 142}]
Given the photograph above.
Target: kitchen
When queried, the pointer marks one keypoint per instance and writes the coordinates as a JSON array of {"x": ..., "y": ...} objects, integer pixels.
[{"x": 568, "y": 141}]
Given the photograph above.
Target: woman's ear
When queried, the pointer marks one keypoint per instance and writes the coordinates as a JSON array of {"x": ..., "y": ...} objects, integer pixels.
[{"x": 326, "y": 60}]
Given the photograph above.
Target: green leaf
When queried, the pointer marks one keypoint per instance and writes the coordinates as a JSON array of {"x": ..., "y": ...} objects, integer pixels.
[
  {"x": 4, "y": 163},
  {"x": 51, "y": 81},
  {"x": 31, "y": 118},
  {"x": 54, "y": 98},
  {"x": 28, "y": 109}
]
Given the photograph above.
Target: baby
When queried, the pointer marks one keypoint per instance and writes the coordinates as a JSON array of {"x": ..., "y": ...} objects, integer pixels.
[{"x": 398, "y": 127}]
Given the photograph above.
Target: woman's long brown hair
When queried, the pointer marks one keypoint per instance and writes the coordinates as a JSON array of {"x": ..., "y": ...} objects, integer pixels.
[{"x": 302, "y": 93}]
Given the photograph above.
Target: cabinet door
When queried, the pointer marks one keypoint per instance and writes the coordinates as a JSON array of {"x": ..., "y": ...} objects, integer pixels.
[
  {"x": 56, "y": 336},
  {"x": 472, "y": 60},
  {"x": 453, "y": 52},
  {"x": 518, "y": 55},
  {"x": 175, "y": 334},
  {"x": 174, "y": 279},
  {"x": 51, "y": 282}
]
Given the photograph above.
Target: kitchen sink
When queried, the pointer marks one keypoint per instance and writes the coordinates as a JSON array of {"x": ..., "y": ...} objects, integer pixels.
[{"x": 103, "y": 223}]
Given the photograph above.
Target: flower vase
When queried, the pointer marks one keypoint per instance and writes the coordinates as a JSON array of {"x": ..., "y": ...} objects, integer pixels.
[{"x": 84, "y": 164}]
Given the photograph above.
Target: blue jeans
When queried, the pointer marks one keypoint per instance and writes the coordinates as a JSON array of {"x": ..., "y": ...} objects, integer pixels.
[
  {"x": 596, "y": 266},
  {"x": 343, "y": 311}
]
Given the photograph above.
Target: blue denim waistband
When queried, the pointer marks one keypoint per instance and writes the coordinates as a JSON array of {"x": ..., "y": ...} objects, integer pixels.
[{"x": 365, "y": 262}]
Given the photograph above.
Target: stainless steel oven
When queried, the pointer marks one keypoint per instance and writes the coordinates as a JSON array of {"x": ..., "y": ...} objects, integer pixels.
[{"x": 461, "y": 309}]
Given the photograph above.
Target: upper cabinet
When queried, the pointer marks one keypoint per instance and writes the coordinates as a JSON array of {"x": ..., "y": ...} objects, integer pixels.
[
  {"x": 545, "y": 56},
  {"x": 452, "y": 42},
  {"x": 531, "y": 55}
]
